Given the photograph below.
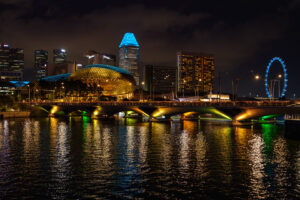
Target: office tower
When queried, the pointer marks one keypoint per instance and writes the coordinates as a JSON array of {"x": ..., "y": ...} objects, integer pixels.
[
  {"x": 59, "y": 56},
  {"x": 129, "y": 55},
  {"x": 160, "y": 79},
  {"x": 195, "y": 73},
  {"x": 16, "y": 59},
  {"x": 11, "y": 63},
  {"x": 4, "y": 57},
  {"x": 95, "y": 57},
  {"x": 41, "y": 63}
]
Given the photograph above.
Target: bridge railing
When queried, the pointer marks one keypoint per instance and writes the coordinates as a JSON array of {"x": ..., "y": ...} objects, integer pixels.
[{"x": 166, "y": 103}]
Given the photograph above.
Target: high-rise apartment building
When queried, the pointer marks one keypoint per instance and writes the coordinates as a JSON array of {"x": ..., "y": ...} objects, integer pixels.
[
  {"x": 160, "y": 79},
  {"x": 129, "y": 55},
  {"x": 195, "y": 73},
  {"x": 41, "y": 63},
  {"x": 59, "y": 56},
  {"x": 11, "y": 63}
]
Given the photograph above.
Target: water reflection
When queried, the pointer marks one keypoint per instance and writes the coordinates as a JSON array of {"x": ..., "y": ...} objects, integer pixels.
[
  {"x": 297, "y": 170},
  {"x": 257, "y": 163},
  {"x": 5, "y": 157},
  {"x": 83, "y": 158},
  {"x": 60, "y": 158}
]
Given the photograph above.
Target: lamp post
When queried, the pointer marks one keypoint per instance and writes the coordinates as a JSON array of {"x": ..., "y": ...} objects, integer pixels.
[
  {"x": 257, "y": 78},
  {"x": 37, "y": 94},
  {"x": 279, "y": 77},
  {"x": 61, "y": 91},
  {"x": 28, "y": 92},
  {"x": 183, "y": 88},
  {"x": 142, "y": 90},
  {"x": 198, "y": 88}
]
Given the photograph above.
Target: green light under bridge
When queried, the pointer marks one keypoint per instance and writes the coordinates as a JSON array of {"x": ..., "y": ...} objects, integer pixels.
[{"x": 269, "y": 116}]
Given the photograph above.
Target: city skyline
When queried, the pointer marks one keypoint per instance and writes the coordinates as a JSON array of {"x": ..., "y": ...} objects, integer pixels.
[{"x": 243, "y": 41}]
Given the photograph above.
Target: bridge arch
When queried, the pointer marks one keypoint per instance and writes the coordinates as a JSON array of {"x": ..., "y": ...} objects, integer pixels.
[{"x": 170, "y": 111}]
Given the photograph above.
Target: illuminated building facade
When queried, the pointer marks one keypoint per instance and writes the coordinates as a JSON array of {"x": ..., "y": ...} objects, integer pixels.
[
  {"x": 160, "y": 79},
  {"x": 95, "y": 57},
  {"x": 59, "y": 56},
  {"x": 41, "y": 63},
  {"x": 4, "y": 57},
  {"x": 11, "y": 63},
  {"x": 98, "y": 80},
  {"x": 16, "y": 59},
  {"x": 11, "y": 75},
  {"x": 195, "y": 73},
  {"x": 129, "y": 55}
]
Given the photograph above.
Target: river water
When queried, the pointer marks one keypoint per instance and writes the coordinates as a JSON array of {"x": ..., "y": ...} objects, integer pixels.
[{"x": 83, "y": 158}]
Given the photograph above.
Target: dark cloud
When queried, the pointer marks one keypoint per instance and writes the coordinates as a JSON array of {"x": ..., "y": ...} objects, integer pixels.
[{"x": 243, "y": 35}]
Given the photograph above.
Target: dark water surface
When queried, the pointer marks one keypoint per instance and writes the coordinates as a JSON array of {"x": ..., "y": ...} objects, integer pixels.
[{"x": 82, "y": 158}]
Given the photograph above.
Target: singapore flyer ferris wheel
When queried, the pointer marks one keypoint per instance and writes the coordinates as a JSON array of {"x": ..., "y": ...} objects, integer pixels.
[{"x": 270, "y": 86}]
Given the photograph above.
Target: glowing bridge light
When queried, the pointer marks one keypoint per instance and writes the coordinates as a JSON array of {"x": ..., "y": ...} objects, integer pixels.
[
  {"x": 129, "y": 40},
  {"x": 54, "y": 110},
  {"x": 284, "y": 76}
]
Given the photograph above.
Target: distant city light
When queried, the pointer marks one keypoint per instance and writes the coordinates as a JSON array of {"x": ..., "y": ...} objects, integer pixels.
[
  {"x": 5, "y": 45},
  {"x": 63, "y": 50},
  {"x": 257, "y": 77},
  {"x": 92, "y": 56},
  {"x": 279, "y": 75},
  {"x": 80, "y": 65}
]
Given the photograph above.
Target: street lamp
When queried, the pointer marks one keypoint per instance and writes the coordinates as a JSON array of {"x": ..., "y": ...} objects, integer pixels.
[
  {"x": 256, "y": 77},
  {"x": 28, "y": 92},
  {"x": 36, "y": 94},
  {"x": 183, "y": 88},
  {"x": 198, "y": 87},
  {"x": 142, "y": 92}
]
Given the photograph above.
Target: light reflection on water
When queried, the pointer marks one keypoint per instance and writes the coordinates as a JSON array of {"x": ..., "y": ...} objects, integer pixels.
[{"x": 89, "y": 158}]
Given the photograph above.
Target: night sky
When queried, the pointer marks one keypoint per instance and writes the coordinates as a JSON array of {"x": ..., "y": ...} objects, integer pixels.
[{"x": 243, "y": 34}]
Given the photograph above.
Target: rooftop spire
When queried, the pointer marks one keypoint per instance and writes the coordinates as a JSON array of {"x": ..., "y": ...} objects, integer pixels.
[{"x": 129, "y": 40}]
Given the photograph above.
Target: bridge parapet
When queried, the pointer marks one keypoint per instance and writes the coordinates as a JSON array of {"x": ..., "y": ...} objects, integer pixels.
[{"x": 221, "y": 104}]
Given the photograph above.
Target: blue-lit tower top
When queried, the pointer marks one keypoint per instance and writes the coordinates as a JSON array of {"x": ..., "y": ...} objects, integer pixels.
[
  {"x": 129, "y": 55},
  {"x": 129, "y": 40}
]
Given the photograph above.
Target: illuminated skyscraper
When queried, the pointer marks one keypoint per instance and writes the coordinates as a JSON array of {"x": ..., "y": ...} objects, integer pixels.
[
  {"x": 59, "y": 56},
  {"x": 195, "y": 73},
  {"x": 11, "y": 63},
  {"x": 16, "y": 59},
  {"x": 129, "y": 55},
  {"x": 4, "y": 57},
  {"x": 41, "y": 63}
]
